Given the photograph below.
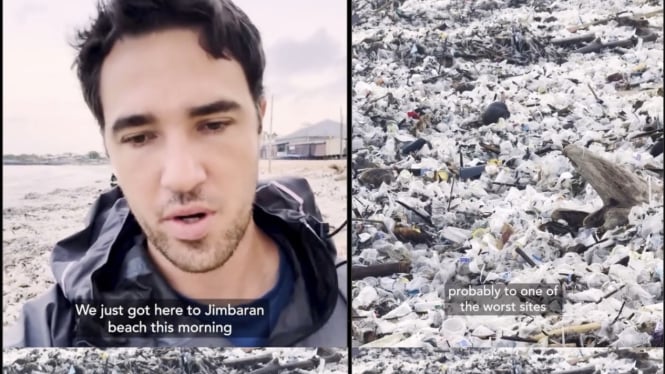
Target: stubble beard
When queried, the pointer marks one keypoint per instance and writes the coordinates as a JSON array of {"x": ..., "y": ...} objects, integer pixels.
[{"x": 200, "y": 256}]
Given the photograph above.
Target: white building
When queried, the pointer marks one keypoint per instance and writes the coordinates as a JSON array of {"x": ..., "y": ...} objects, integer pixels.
[{"x": 320, "y": 140}]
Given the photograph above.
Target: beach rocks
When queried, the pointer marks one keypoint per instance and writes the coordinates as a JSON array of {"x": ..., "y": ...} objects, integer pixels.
[
  {"x": 657, "y": 149},
  {"x": 376, "y": 176},
  {"x": 494, "y": 112},
  {"x": 415, "y": 146}
]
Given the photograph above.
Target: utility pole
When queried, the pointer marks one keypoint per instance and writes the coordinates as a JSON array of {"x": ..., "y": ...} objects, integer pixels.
[
  {"x": 341, "y": 132},
  {"x": 272, "y": 105}
]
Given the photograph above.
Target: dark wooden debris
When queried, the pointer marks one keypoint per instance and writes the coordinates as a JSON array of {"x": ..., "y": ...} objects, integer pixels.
[
  {"x": 618, "y": 187},
  {"x": 380, "y": 270}
]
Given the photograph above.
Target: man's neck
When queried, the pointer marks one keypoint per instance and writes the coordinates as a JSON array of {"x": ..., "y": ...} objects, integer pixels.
[{"x": 250, "y": 272}]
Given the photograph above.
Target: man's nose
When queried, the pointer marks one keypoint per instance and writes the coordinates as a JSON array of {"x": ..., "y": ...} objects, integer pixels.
[{"x": 183, "y": 170}]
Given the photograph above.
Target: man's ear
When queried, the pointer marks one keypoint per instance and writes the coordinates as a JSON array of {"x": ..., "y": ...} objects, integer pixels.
[
  {"x": 103, "y": 136},
  {"x": 261, "y": 108}
]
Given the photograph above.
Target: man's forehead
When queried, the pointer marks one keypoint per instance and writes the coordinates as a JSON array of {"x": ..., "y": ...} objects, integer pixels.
[
  {"x": 170, "y": 50},
  {"x": 161, "y": 38},
  {"x": 168, "y": 70}
]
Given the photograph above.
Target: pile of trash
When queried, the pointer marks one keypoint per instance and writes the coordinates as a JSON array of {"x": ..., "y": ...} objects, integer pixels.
[
  {"x": 175, "y": 360},
  {"x": 508, "y": 361},
  {"x": 507, "y": 142}
]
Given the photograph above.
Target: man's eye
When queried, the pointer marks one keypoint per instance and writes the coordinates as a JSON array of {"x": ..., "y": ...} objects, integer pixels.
[
  {"x": 213, "y": 126},
  {"x": 137, "y": 140}
]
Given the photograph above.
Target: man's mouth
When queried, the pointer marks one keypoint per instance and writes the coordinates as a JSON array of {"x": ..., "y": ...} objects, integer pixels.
[
  {"x": 189, "y": 223},
  {"x": 192, "y": 218}
]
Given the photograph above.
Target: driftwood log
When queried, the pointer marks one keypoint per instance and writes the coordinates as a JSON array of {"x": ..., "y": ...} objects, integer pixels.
[
  {"x": 574, "y": 218},
  {"x": 623, "y": 20},
  {"x": 249, "y": 361},
  {"x": 274, "y": 367},
  {"x": 577, "y": 329},
  {"x": 597, "y": 45},
  {"x": 618, "y": 187},
  {"x": 380, "y": 270},
  {"x": 574, "y": 40},
  {"x": 590, "y": 369}
]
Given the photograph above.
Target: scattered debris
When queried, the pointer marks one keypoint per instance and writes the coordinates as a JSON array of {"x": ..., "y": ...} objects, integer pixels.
[
  {"x": 525, "y": 162},
  {"x": 175, "y": 360},
  {"x": 507, "y": 361}
]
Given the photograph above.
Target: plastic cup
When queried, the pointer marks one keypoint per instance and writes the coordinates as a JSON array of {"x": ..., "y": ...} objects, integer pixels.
[{"x": 453, "y": 327}]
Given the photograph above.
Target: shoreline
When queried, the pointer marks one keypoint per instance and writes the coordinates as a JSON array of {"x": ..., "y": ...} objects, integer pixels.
[
  {"x": 37, "y": 163},
  {"x": 107, "y": 162}
]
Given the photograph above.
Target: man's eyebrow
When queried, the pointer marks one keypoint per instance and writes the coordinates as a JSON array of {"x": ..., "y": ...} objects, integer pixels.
[
  {"x": 219, "y": 106},
  {"x": 134, "y": 120}
]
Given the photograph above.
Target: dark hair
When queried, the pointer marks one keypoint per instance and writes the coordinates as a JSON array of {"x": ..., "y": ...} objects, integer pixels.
[{"x": 225, "y": 32}]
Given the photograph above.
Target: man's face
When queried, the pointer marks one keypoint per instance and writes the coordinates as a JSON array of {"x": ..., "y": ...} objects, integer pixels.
[{"x": 181, "y": 131}]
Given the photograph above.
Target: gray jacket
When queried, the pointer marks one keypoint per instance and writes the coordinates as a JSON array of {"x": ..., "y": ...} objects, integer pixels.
[{"x": 107, "y": 260}]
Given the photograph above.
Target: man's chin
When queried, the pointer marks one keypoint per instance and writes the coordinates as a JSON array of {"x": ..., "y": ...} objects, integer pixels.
[
  {"x": 202, "y": 255},
  {"x": 189, "y": 245},
  {"x": 196, "y": 257}
]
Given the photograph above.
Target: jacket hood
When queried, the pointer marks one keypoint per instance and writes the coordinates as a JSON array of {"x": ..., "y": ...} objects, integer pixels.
[{"x": 76, "y": 258}]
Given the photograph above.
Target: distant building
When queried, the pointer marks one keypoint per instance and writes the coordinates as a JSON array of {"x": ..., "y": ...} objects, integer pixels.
[{"x": 317, "y": 141}]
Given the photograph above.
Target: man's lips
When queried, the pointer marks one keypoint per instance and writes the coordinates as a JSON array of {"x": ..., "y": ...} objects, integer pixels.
[
  {"x": 188, "y": 223},
  {"x": 187, "y": 211}
]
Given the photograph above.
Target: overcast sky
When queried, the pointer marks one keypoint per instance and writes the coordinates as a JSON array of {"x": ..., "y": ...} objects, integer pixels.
[{"x": 44, "y": 112}]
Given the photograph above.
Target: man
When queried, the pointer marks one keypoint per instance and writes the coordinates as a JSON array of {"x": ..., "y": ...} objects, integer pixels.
[{"x": 176, "y": 87}]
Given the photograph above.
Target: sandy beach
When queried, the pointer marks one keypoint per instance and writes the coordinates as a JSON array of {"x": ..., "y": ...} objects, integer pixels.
[{"x": 45, "y": 204}]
